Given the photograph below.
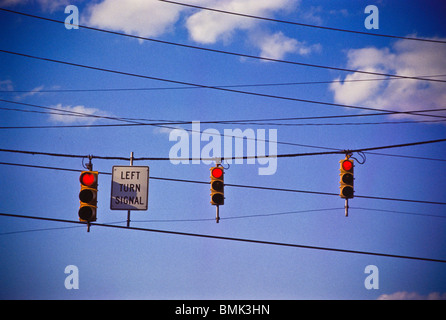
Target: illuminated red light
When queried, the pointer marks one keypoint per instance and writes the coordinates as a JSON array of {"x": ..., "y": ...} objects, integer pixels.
[
  {"x": 217, "y": 173},
  {"x": 347, "y": 165},
  {"x": 88, "y": 179}
]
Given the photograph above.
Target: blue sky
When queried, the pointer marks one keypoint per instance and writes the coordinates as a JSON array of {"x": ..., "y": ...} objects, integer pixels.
[{"x": 130, "y": 264}]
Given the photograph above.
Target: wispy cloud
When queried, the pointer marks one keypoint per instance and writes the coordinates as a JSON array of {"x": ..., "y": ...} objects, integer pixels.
[
  {"x": 404, "y": 295},
  {"x": 142, "y": 18},
  {"x": 76, "y": 114},
  {"x": 203, "y": 26},
  {"x": 33, "y": 92},
  {"x": 405, "y": 57},
  {"x": 277, "y": 45}
]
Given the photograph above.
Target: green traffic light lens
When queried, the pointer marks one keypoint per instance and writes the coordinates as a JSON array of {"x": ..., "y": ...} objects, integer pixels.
[
  {"x": 218, "y": 198},
  {"x": 86, "y": 213},
  {"x": 347, "y": 192}
]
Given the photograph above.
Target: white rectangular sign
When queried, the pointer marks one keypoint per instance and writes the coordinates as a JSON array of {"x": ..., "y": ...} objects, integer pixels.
[{"x": 130, "y": 188}]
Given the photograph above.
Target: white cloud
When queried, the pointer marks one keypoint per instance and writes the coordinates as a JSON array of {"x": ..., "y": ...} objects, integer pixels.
[
  {"x": 277, "y": 45},
  {"x": 404, "y": 295},
  {"x": 405, "y": 57},
  {"x": 140, "y": 17},
  {"x": 154, "y": 18},
  {"x": 209, "y": 27},
  {"x": 76, "y": 114}
]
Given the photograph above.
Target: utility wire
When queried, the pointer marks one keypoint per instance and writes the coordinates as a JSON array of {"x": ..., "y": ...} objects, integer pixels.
[
  {"x": 205, "y": 86},
  {"x": 228, "y": 52},
  {"x": 221, "y": 86},
  {"x": 289, "y": 155},
  {"x": 136, "y": 121},
  {"x": 207, "y": 236},
  {"x": 300, "y": 24},
  {"x": 217, "y": 122},
  {"x": 238, "y": 185}
]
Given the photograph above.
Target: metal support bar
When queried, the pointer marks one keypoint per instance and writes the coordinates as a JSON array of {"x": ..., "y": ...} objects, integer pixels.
[
  {"x": 217, "y": 217},
  {"x": 346, "y": 207},
  {"x": 128, "y": 211}
]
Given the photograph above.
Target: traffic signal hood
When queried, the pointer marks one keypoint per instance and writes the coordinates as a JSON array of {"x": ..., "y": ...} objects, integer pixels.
[
  {"x": 217, "y": 186},
  {"x": 88, "y": 196}
]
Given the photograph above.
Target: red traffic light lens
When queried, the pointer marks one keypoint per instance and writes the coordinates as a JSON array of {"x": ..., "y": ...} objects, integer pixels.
[
  {"x": 347, "y": 165},
  {"x": 217, "y": 172},
  {"x": 88, "y": 179}
]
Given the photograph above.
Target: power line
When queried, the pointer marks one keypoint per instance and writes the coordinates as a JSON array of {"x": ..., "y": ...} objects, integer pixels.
[
  {"x": 244, "y": 122},
  {"x": 289, "y": 155},
  {"x": 300, "y": 24},
  {"x": 240, "y": 186},
  {"x": 206, "y": 86},
  {"x": 221, "y": 86},
  {"x": 136, "y": 121},
  {"x": 165, "y": 122},
  {"x": 207, "y": 236},
  {"x": 228, "y": 52}
]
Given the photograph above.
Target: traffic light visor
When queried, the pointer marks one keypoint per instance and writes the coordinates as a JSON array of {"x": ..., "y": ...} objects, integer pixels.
[
  {"x": 88, "y": 179},
  {"x": 217, "y": 172},
  {"x": 347, "y": 165}
]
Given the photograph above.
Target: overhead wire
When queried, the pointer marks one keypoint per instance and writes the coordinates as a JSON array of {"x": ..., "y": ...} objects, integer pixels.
[
  {"x": 205, "y": 86},
  {"x": 221, "y": 86},
  {"x": 61, "y": 111},
  {"x": 225, "y": 52},
  {"x": 208, "y": 236},
  {"x": 302, "y": 24},
  {"x": 164, "y": 123},
  {"x": 288, "y": 155},
  {"x": 240, "y": 185}
]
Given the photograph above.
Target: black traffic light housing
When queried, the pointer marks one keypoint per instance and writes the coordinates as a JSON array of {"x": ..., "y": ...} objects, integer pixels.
[
  {"x": 346, "y": 178},
  {"x": 88, "y": 196},
  {"x": 217, "y": 186}
]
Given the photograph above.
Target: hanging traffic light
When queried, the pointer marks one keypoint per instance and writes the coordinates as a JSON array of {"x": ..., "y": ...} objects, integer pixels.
[
  {"x": 346, "y": 179},
  {"x": 217, "y": 186},
  {"x": 88, "y": 196}
]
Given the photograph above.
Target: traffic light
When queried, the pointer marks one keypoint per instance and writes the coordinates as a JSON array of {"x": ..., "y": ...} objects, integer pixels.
[
  {"x": 88, "y": 196},
  {"x": 347, "y": 178},
  {"x": 217, "y": 186}
]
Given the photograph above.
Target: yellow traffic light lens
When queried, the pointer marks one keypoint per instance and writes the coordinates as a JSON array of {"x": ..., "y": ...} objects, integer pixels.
[
  {"x": 347, "y": 178},
  {"x": 87, "y": 195},
  {"x": 217, "y": 186}
]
